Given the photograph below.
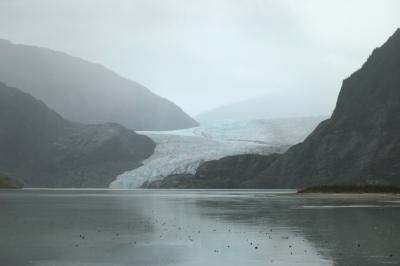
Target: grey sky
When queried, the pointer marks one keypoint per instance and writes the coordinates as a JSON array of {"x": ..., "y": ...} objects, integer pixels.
[{"x": 206, "y": 53}]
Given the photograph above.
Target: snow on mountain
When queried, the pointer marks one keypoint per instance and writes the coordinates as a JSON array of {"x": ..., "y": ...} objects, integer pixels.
[{"x": 182, "y": 151}]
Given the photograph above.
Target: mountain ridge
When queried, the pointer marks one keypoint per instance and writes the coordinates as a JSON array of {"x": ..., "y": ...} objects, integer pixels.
[
  {"x": 100, "y": 94},
  {"x": 41, "y": 149}
]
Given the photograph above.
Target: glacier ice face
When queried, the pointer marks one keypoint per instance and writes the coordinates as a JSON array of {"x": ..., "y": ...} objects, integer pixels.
[{"x": 182, "y": 151}]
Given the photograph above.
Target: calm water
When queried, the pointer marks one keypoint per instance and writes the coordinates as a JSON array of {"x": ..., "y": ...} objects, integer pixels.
[{"x": 209, "y": 227}]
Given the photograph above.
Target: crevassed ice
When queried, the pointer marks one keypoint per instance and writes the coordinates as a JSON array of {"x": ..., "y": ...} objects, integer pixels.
[{"x": 182, "y": 151}]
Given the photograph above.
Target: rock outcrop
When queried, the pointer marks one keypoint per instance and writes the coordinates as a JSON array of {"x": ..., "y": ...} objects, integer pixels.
[
  {"x": 86, "y": 92},
  {"x": 227, "y": 173},
  {"x": 44, "y": 150}
]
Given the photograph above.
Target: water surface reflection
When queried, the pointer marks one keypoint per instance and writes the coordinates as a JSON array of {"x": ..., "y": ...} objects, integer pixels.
[{"x": 189, "y": 227}]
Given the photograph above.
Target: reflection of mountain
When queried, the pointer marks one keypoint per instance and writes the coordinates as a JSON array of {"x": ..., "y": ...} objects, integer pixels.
[
  {"x": 354, "y": 236},
  {"x": 86, "y": 92},
  {"x": 182, "y": 151},
  {"x": 346, "y": 230},
  {"x": 141, "y": 228},
  {"x": 195, "y": 228}
]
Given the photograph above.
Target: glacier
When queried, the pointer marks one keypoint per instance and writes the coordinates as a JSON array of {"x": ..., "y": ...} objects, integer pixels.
[{"x": 182, "y": 151}]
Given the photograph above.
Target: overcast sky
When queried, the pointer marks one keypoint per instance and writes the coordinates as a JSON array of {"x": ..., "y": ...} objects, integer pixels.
[{"x": 206, "y": 53}]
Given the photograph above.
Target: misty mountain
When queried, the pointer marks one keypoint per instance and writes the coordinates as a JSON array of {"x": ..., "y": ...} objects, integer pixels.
[
  {"x": 86, "y": 92},
  {"x": 41, "y": 149},
  {"x": 277, "y": 104},
  {"x": 359, "y": 144}
]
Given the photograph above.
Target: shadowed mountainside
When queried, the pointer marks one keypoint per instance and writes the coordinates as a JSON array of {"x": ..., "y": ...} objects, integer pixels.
[
  {"x": 86, "y": 92},
  {"x": 42, "y": 149}
]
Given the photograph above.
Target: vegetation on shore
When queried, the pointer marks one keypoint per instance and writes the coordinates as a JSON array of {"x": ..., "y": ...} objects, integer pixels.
[
  {"x": 351, "y": 189},
  {"x": 7, "y": 182}
]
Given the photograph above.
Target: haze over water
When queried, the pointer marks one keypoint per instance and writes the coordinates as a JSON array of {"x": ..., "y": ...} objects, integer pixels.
[{"x": 191, "y": 227}]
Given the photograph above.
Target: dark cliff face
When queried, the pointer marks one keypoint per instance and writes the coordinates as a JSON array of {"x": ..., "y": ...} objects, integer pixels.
[
  {"x": 361, "y": 141},
  {"x": 359, "y": 144},
  {"x": 42, "y": 149},
  {"x": 86, "y": 92}
]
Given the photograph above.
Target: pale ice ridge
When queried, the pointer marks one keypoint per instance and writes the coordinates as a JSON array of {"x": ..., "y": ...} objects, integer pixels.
[{"x": 182, "y": 151}]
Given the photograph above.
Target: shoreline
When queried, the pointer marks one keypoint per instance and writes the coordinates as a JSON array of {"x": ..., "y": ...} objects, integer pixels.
[{"x": 351, "y": 189}]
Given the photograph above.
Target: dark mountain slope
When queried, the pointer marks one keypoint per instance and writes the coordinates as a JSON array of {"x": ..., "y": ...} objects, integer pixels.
[
  {"x": 359, "y": 144},
  {"x": 86, "y": 92},
  {"x": 361, "y": 141},
  {"x": 40, "y": 148}
]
